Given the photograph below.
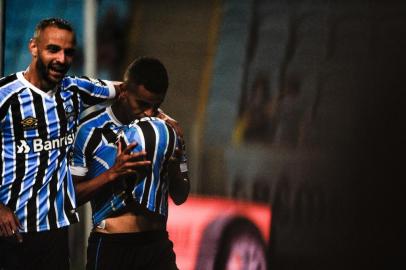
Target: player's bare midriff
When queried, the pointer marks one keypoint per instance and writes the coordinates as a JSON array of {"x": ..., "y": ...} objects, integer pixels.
[{"x": 132, "y": 221}]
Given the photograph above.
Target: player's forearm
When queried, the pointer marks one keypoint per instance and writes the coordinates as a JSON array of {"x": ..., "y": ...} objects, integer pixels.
[
  {"x": 179, "y": 185},
  {"x": 179, "y": 190}
]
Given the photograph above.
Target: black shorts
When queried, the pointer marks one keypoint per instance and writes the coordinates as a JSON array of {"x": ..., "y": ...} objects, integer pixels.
[
  {"x": 39, "y": 250},
  {"x": 143, "y": 250}
]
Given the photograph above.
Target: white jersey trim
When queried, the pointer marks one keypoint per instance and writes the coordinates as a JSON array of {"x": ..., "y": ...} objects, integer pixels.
[
  {"x": 21, "y": 77},
  {"x": 78, "y": 171}
]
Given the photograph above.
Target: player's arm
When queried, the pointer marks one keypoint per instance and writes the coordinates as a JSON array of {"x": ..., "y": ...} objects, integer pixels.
[
  {"x": 126, "y": 163},
  {"x": 179, "y": 184},
  {"x": 9, "y": 223}
]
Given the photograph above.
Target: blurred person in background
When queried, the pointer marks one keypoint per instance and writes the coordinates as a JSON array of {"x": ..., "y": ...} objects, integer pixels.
[{"x": 256, "y": 122}]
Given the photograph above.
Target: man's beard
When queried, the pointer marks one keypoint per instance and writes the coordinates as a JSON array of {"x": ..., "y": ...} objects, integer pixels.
[{"x": 43, "y": 71}]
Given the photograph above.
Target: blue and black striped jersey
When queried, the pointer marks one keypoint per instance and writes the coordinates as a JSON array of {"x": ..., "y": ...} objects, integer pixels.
[
  {"x": 37, "y": 132},
  {"x": 93, "y": 154}
]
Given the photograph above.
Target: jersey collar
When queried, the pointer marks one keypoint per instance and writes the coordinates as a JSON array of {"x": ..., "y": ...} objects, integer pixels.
[
  {"x": 113, "y": 117},
  {"x": 21, "y": 77}
]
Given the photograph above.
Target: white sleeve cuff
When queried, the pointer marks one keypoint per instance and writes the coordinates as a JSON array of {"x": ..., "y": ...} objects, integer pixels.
[
  {"x": 112, "y": 89},
  {"x": 78, "y": 171}
]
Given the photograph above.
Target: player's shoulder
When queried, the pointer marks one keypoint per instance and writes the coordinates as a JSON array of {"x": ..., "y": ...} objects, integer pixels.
[
  {"x": 93, "y": 113},
  {"x": 147, "y": 124},
  {"x": 92, "y": 121},
  {"x": 9, "y": 85},
  {"x": 147, "y": 120},
  {"x": 8, "y": 79}
]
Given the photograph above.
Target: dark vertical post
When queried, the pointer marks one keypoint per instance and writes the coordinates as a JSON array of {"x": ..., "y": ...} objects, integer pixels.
[{"x": 2, "y": 34}]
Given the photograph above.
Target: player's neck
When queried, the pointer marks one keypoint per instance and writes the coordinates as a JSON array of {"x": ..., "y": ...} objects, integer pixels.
[
  {"x": 121, "y": 113},
  {"x": 31, "y": 75}
]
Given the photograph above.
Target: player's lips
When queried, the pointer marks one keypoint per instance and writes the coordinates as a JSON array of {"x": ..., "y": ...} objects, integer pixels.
[{"x": 58, "y": 70}]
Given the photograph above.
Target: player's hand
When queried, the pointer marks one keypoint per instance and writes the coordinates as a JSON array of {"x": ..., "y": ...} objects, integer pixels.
[
  {"x": 9, "y": 224},
  {"x": 179, "y": 151},
  {"x": 172, "y": 122},
  {"x": 119, "y": 86},
  {"x": 127, "y": 162}
]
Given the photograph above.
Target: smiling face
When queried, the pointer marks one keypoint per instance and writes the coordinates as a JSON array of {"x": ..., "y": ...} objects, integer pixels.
[{"x": 52, "y": 53}]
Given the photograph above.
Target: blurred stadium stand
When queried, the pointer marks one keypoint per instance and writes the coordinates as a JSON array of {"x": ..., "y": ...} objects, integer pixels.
[{"x": 21, "y": 19}]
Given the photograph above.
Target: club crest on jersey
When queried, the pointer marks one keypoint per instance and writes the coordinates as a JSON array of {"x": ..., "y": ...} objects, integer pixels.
[
  {"x": 29, "y": 123},
  {"x": 70, "y": 113}
]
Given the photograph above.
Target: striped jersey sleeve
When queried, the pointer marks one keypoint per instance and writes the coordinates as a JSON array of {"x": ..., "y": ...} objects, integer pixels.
[{"x": 91, "y": 91}]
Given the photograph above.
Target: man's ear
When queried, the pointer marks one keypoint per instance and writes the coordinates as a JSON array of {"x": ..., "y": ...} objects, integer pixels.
[{"x": 32, "y": 46}]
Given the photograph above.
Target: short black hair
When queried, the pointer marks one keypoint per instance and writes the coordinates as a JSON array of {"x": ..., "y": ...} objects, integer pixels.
[
  {"x": 55, "y": 22},
  {"x": 149, "y": 72}
]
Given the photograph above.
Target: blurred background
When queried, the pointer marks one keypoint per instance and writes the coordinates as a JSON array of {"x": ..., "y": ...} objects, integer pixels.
[{"x": 291, "y": 105}]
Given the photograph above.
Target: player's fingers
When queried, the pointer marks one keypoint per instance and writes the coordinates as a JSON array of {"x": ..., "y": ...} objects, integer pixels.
[
  {"x": 137, "y": 164},
  {"x": 175, "y": 125},
  {"x": 2, "y": 230},
  {"x": 118, "y": 147},
  {"x": 137, "y": 155},
  {"x": 133, "y": 156},
  {"x": 14, "y": 224},
  {"x": 129, "y": 148},
  {"x": 161, "y": 114},
  {"x": 10, "y": 229},
  {"x": 17, "y": 222},
  {"x": 172, "y": 122}
]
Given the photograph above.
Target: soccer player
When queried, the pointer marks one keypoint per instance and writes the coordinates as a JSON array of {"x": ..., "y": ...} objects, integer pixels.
[
  {"x": 130, "y": 213},
  {"x": 39, "y": 111}
]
